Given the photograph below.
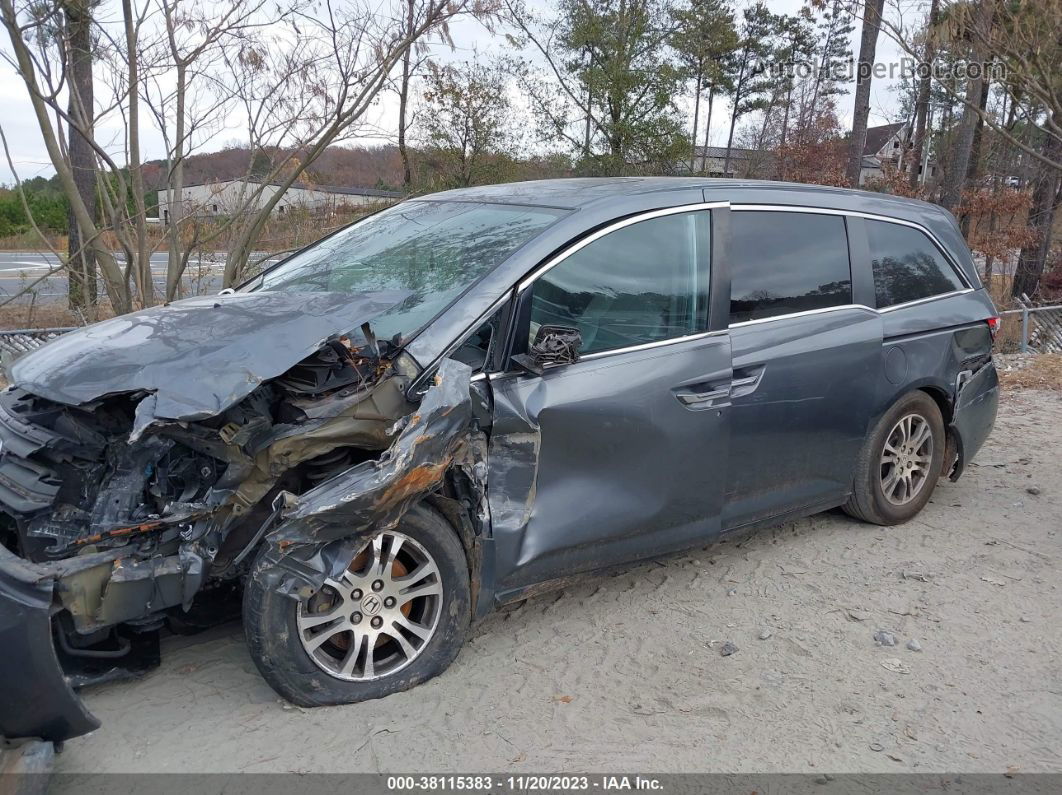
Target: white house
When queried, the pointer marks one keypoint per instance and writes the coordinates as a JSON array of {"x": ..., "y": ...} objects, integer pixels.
[
  {"x": 884, "y": 147},
  {"x": 226, "y": 197}
]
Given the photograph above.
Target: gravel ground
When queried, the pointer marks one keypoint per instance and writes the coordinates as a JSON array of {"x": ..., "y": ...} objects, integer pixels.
[
  {"x": 1030, "y": 370},
  {"x": 627, "y": 672}
]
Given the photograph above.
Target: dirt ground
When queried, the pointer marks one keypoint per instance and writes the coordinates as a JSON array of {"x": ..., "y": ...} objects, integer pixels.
[{"x": 626, "y": 673}]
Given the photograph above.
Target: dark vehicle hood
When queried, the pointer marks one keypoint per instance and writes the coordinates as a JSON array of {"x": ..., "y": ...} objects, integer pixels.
[{"x": 198, "y": 356}]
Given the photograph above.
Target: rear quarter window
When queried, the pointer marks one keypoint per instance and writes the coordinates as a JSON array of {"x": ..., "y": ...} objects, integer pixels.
[
  {"x": 785, "y": 262},
  {"x": 907, "y": 265}
]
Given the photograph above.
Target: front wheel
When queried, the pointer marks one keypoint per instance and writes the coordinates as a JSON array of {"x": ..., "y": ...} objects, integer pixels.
[
  {"x": 900, "y": 463},
  {"x": 396, "y": 617}
]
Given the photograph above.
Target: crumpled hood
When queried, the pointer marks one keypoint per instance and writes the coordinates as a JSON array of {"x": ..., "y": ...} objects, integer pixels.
[{"x": 198, "y": 356}]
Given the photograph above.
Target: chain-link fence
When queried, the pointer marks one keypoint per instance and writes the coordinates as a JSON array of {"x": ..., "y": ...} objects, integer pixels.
[
  {"x": 19, "y": 341},
  {"x": 1040, "y": 329}
]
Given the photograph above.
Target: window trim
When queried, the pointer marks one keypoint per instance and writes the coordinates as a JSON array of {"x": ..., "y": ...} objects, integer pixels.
[
  {"x": 959, "y": 272},
  {"x": 613, "y": 226},
  {"x": 848, "y": 253},
  {"x": 557, "y": 259},
  {"x": 700, "y": 335},
  {"x": 644, "y": 346},
  {"x": 805, "y": 313},
  {"x": 864, "y": 307},
  {"x": 545, "y": 267}
]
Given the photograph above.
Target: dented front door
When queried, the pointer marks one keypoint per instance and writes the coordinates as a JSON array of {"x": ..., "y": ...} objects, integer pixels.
[{"x": 622, "y": 454}]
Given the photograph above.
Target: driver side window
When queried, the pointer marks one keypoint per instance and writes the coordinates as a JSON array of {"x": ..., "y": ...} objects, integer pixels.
[{"x": 642, "y": 283}]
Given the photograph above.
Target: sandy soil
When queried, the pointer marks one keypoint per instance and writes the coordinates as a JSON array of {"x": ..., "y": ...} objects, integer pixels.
[{"x": 625, "y": 673}]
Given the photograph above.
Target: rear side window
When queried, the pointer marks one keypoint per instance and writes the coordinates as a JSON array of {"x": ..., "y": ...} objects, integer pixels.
[
  {"x": 907, "y": 265},
  {"x": 784, "y": 262},
  {"x": 642, "y": 283}
]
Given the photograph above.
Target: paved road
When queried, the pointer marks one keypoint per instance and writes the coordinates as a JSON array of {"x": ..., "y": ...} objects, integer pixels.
[{"x": 18, "y": 269}]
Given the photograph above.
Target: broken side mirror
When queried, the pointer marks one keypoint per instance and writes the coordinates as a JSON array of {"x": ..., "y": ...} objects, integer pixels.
[{"x": 552, "y": 345}]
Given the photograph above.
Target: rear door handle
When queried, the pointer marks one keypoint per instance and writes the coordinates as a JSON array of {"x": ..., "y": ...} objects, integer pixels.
[
  {"x": 746, "y": 380},
  {"x": 702, "y": 400}
]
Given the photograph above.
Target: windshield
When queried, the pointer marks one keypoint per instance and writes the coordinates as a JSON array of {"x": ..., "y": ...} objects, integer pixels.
[{"x": 432, "y": 250}]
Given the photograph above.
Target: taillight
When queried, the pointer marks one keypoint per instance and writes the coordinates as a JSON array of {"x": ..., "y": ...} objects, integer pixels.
[{"x": 993, "y": 326}]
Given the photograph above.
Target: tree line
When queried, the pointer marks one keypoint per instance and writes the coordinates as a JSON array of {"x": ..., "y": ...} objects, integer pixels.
[{"x": 585, "y": 87}]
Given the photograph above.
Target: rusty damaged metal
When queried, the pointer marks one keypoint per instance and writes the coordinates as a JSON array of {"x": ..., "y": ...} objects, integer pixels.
[
  {"x": 346, "y": 511},
  {"x": 135, "y": 475}
]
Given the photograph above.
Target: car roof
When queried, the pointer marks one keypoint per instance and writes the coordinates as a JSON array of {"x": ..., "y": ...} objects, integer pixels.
[
  {"x": 579, "y": 192},
  {"x": 607, "y": 196},
  {"x": 592, "y": 203}
]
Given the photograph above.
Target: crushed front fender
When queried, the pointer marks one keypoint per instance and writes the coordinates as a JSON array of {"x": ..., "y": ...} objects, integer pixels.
[
  {"x": 35, "y": 699},
  {"x": 323, "y": 528}
]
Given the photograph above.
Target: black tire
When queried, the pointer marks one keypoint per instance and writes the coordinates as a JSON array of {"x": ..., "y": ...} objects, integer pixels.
[
  {"x": 271, "y": 626},
  {"x": 868, "y": 501}
]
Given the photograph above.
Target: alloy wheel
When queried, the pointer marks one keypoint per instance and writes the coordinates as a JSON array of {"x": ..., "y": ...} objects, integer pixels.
[
  {"x": 379, "y": 615},
  {"x": 906, "y": 459}
]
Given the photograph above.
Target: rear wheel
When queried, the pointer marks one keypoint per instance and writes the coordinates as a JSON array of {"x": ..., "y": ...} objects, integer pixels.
[
  {"x": 397, "y": 616},
  {"x": 900, "y": 463}
]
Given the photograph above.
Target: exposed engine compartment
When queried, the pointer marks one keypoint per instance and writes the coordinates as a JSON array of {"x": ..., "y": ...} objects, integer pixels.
[
  {"x": 74, "y": 476},
  {"x": 69, "y": 478},
  {"x": 140, "y": 514}
]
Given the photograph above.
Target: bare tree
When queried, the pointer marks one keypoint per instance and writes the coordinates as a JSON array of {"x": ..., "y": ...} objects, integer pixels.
[
  {"x": 81, "y": 270},
  {"x": 29, "y": 30},
  {"x": 403, "y": 102},
  {"x": 300, "y": 82},
  {"x": 1025, "y": 44},
  {"x": 797, "y": 46},
  {"x": 833, "y": 50},
  {"x": 318, "y": 93},
  {"x": 187, "y": 98},
  {"x": 978, "y": 28},
  {"x": 868, "y": 43},
  {"x": 1047, "y": 195},
  {"x": 925, "y": 84}
]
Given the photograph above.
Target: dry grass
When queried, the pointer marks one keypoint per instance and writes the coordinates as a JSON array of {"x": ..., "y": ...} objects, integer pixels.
[
  {"x": 50, "y": 315},
  {"x": 292, "y": 230},
  {"x": 1031, "y": 371},
  {"x": 31, "y": 241}
]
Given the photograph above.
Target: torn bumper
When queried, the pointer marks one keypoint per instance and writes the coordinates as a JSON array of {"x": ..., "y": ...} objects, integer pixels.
[
  {"x": 35, "y": 698},
  {"x": 974, "y": 415}
]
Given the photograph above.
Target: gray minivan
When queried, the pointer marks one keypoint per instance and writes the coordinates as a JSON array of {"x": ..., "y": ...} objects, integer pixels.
[{"x": 466, "y": 398}]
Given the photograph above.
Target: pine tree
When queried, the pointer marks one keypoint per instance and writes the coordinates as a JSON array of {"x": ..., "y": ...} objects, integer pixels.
[
  {"x": 705, "y": 41},
  {"x": 833, "y": 53},
  {"x": 751, "y": 79}
]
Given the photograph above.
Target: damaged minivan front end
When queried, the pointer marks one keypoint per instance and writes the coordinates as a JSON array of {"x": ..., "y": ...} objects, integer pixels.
[
  {"x": 137, "y": 478},
  {"x": 614, "y": 356}
]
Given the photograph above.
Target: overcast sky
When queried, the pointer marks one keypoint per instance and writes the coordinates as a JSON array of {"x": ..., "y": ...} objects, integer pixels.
[{"x": 31, "y": 159}]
